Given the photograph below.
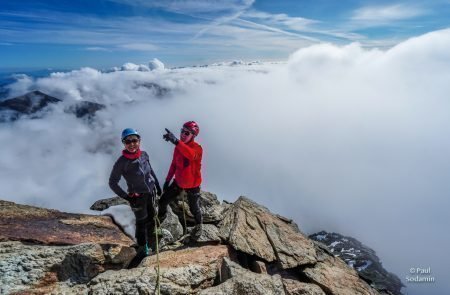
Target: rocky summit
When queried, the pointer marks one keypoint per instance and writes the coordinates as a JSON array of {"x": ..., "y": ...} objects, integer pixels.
[{"x": 243, "y": 248}]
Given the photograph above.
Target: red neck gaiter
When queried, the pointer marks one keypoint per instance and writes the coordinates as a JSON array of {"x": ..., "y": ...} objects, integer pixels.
[{"x": 131, "y": 156}]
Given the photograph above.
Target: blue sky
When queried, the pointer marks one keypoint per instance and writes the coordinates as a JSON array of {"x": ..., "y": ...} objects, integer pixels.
[{"x": 105, "y": 33}]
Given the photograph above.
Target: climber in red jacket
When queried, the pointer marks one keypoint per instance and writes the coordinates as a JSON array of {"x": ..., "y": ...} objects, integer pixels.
[{"x": 186, "y": 166}]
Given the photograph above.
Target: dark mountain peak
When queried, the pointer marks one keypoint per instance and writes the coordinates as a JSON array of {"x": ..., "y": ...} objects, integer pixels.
[
  {"x": 362, "y": 258},
  {"x": 29, "y": 103},
  {"x": 33, "y": 102},
  {"x": 85, "y": 108}
]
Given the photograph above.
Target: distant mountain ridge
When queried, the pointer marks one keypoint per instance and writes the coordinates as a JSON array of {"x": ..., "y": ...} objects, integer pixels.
[
  {"x": 27, "y": 104},
  {"x": 35, "y": 102},
  {"x": 361, "y": 258}
]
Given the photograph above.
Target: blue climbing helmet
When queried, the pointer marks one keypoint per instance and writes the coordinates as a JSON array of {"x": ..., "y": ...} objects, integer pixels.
[{"x": 129, "y": 131}]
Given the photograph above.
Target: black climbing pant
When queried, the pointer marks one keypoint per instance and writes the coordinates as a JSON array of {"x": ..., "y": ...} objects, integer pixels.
[
  {"x": 193, "y": 196},
  {"x": 144, "y": 212}
]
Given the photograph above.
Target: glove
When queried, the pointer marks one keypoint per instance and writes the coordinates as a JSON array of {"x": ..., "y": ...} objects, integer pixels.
[
  {"x": 127, "y": 198},
  {"x": 166, "y": 185},
  {"x": 169, "y": 136}
]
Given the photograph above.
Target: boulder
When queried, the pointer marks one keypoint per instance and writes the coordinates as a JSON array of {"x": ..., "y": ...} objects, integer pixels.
[
  {"x": 258, "y": 266},
  {"x": 252, "y": 229},
  {"x": 51, "y": 227},
  {"x": 334, "y": 276},
  {"x": 104, "y": 204},
  {"x": 209, "y": 205},
  {"x": 294, "y": 287},
  {"x": 209, "y": 234},
  {"x": 173, "y": 225},
  {"x": 165, "y": 239},
  {"x": 238, "y": 280},
  {"x": 47, "y": 269},
  {"x": 184, "y": 271},
  {"x": 133, "y": 281},
  {"x": 289, "y": 222}
]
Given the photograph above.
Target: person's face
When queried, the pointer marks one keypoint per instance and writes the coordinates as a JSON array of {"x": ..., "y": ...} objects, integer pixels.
[
  {"x": 186, "y": 135},
  {"x": 132, "y": 143}
]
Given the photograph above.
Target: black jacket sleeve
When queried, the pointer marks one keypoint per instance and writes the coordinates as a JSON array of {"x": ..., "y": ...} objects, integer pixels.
[
  {"x": 114, "y": 179},
  {"x": 152, "y": 173},
  {"x": 158, "y": 187}
]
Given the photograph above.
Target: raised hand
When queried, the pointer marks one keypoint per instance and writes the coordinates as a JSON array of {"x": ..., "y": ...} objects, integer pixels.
[{"x": 169, "y": 136}]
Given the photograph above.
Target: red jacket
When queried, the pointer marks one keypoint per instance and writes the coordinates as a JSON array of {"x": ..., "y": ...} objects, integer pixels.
[{"x": 186, "y": 164}]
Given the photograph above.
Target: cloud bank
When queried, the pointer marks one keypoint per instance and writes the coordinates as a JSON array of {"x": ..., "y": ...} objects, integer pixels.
[{"x": 344, "y": 139}]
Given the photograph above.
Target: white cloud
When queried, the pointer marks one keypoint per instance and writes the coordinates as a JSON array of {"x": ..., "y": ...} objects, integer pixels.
[
  {"x": 156, "y": 64},
  {"x": 70, "y": 28},
  {"x": 266, "y": 34},
  {"x": 235, "y": 12},
  {"x": 205, "y": 10},
  {"x": 192, "y": 6},
  {"x": 233, "y": 35},
  {"x": 95, "y": 48},
  {"x": 387, "y": 14},
  {"x": 245, "y": 37},
  {"x": 338, "y": 138},
  {"x": 262, "y": 27},
  {"x": 134, "y": 67},
  {"x": 140, "y": 46},
  {"x": 295, "y": 23},
  {"x": 284, "y": 23}
]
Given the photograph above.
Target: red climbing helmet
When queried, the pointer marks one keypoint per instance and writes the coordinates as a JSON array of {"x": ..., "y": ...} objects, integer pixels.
[{"x": 192, "y": 127}]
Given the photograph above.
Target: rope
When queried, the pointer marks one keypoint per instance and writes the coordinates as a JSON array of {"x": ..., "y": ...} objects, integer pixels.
[
  {"x": 184, "y": 214},
  {"x": 157, "y": 226}
]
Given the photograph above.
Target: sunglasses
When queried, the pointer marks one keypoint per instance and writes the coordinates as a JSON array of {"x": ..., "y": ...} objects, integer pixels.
[
  {"x": 185, "y": 132},
  {"x": 129, "y": 141}
]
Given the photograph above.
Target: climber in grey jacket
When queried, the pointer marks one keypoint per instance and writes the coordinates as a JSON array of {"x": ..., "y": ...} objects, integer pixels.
[{"x": 143, "y": 186}]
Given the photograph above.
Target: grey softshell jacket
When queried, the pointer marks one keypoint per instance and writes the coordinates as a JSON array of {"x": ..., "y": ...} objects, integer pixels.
[{"x": 138, "y": 174}]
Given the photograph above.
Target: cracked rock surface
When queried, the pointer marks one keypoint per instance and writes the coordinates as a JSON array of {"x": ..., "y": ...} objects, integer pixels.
[
  {"x": 252, "y": 229},
  {"x": 242, "y": 249}
]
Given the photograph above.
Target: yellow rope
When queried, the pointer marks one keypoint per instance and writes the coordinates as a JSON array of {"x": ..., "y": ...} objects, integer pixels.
[{"x": 157, "y": 226}]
